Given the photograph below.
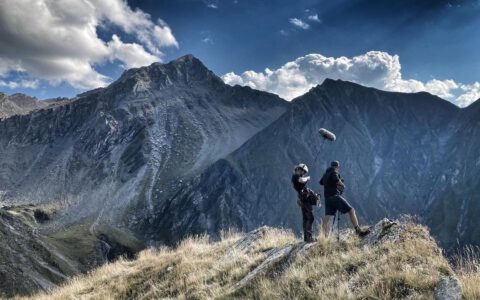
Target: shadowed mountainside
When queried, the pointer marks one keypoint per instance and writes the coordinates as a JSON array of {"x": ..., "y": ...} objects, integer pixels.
[{"x": 394, "y": 149}]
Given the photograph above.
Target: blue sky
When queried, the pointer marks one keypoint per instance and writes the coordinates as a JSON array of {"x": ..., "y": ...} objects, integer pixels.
[{"x": 394, "y": 45}]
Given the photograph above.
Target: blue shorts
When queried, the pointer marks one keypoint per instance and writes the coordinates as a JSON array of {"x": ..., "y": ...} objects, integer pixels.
[{"x": 334, "y": 203}]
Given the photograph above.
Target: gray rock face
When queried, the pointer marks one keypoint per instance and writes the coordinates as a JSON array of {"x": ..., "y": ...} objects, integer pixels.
[
  {"x": 115, "y": 155},
  {"x": 247, "y": 241},
  {"x": 454, "y": 201},
  {"x": 276, "y": 261},
  {"x": 274, "y": 257},
  {"x": 20, "y": 104},
  {"x": 384, "y": 230},
  {"x": 448, "y": 288}
]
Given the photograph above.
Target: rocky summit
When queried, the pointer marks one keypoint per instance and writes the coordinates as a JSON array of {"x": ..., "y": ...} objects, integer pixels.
[{"x": 169, "y": 150}]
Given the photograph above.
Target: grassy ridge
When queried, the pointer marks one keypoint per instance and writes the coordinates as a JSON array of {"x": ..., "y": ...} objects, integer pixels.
[{"x": 406, "y": 266}]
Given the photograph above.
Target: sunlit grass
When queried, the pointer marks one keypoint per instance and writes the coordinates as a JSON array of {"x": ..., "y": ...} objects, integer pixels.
[{"x": 200, "y": 269}]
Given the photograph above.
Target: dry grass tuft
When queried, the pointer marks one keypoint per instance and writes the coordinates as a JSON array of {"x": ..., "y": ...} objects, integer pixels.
[{"x": 467, "y": 267}]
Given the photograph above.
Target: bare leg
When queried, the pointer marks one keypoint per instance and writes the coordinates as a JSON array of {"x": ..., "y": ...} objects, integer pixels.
[
  {"x": 325, "y": 221},
  {"x": 353, "y": 218}
]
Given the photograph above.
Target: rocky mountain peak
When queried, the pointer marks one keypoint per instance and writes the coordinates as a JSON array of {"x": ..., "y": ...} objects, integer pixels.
[
  {"x": 22, "y": 99},
  {"x": 184, "y": 71},
  {"x": 18, "y": 104},
  {"x": 332, "y": 84}
]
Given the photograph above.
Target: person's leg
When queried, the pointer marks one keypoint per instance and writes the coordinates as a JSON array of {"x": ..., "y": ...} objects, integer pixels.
[
  {"x": 309, "y": 223},
  {"x": 345, "y": 207},
  {"x": 353, "y": 217},
  {"x": 304, "y": 222},
  {"x": 325, "y": 228},
  {"x": 330, "y": 210}
]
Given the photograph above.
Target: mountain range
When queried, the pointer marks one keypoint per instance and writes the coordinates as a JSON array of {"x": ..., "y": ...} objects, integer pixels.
[{"x": 169, "y": 150}]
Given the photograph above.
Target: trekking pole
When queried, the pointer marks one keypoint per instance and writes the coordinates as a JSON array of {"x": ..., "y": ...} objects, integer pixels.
[{"x": 338, "y": 226}]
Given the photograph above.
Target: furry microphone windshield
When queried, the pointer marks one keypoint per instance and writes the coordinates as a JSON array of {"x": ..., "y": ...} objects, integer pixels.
[{"x": 328, "y": 135}]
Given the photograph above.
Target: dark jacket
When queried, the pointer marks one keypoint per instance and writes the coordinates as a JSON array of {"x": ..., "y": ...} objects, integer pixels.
[
  {"x": 330, "y": 182},
  {"x": 297, "y": 185}
]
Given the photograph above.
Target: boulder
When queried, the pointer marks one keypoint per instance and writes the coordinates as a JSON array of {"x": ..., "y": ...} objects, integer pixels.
[{"x": 448, "y": 288}]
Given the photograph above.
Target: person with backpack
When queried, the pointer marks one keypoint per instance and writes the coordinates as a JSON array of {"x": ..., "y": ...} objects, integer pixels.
[
  {"x": 334, "y": 185},
  {"x": 306, "y": 199}
]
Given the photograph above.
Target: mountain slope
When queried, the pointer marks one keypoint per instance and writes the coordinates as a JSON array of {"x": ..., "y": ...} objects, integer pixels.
[
  {"x": 389, "y": 145},
  {"x": 27, "y": 263},
  {"x": 454, "y": 201},
  {"x": 397, "y": 261},
  {"x": 107, "y": 159}
]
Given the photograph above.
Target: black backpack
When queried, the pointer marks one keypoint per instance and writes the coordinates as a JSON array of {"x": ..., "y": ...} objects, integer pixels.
[{"x": 310, "y": 197}]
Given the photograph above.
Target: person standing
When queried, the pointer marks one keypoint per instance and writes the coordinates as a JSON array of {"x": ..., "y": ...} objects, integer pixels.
[
  {"x": 334, "y": 186},
  {"x": 299, "y": 181}
]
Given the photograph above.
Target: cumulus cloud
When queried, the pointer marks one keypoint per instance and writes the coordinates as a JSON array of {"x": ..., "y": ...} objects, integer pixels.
[
  {"x": 471, "y": 93},
  {"x": 375, "y": 69},
  {"x": 299, "y": 23},
  {"x": 131, "y": 54},
  {"x": 57, "y": 41}
]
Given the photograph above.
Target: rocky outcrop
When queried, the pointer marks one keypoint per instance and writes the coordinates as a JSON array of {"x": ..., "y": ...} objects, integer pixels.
[
  {"x": 384, "y": 230},
  {"x": 21, "y": 104},
  {"x": 448, "y": 288}
]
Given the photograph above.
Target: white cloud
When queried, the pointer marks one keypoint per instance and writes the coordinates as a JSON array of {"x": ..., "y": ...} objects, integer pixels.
[
  {"x": 375, "y": 68},
  {"x": 24, "y": 83},
  {"x": 314, "y": 18},
  {"x": 471, "y": 93},
  {"x": 132, "y": 55},
  {"x": 207, "y": 40},
  {"x": 299, "y": 23},
  {"x": 57, "y": 40}
]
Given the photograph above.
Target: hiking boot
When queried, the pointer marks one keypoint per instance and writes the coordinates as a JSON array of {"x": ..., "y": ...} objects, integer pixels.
[{"x": 361, "y": 232}]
